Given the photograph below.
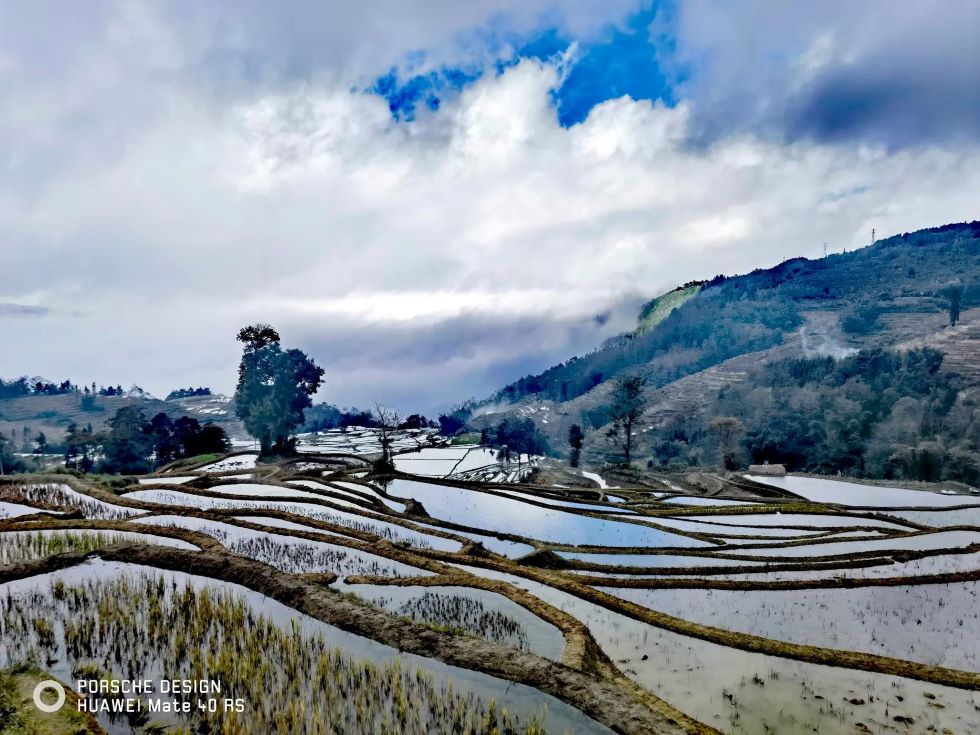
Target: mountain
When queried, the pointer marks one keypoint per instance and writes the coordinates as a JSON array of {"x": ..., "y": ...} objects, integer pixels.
[
  {"x": 51, "y": 414},
  {"x": 696, "y": 342}
]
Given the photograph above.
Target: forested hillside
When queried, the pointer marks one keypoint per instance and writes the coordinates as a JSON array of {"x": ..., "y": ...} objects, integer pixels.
[
  {"x": 735, "y": 336},
  {"x": 910, "y": 273},
  {"x": 29, "y": 409},
  {"x": 877, "y": 413}
]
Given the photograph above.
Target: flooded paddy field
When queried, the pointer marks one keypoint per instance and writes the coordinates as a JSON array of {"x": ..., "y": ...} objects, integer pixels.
[
  {"x": 512, "y": 515},
  {"x": 444, "y": 603},
  {"x": 855, "y": 494},
  {"x": 67, "y": 499},
  {"x": 340, "y": 678},
  {"x": 915, "y": 622},
  {"x": 487, "y": 614},
  {"x": 741, "y": 692}
]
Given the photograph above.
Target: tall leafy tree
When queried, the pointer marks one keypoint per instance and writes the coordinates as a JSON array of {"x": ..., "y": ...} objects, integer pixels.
[
  {"x": 954, "y": 305},
  {"x": 79, "y": 446},
  {"x": 71, "y": 445},
  {"x": 628, "y": 405},
  {"x": 184, "y": 437},
  {"x": 575, "y": 439},
  {"x": 165, "y": 446},
  {"x": 128, "y": 445},
  {"x": 9, "y": 461},
  {"x": 274, "y": 387},
  {"x": 415, "y": 421},
  {"x": 212, "y": 439},
  {"x": 729, "y": 430},
  {"x": 519, "y": 435}
]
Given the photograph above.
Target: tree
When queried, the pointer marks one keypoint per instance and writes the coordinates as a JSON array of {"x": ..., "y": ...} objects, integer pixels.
[
  {"x": 212, "y": 440},
  {"x": 355, "y": 417},
  {"x": 628, "y": 404},
  {"x": 274, "y": 387},
  {"x": 415, "y": 421},
  {"x": 190, "y": 392},
  {"x": 128, "y": 445},
  {"x": 450, "y": 424},
  {"x": 519, "y": 436},
  {"x": 184, "y": 437},
  {"x": 71, "y": 445},
  {"x": 166, "y": 448},
  {"x": 729, "y": 430},
  {"x": 454, "y": 422},
  {"x": 9, "y": 461},
  {"x": 575, "y": 438},
  {"x": 954, "y": 305},
  {"x": 89, "y": 403},
  {"x": 78, "y": 447},
  {"x": 388, "y": 420},
  {"x": 42, "y": 443},
  {"x": 321, "y": 417},
  {"x": 185, "y": 431}
]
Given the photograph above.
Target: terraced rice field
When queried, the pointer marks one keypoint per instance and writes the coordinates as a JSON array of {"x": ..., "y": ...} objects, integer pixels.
[{"x": 440, "y": 603}]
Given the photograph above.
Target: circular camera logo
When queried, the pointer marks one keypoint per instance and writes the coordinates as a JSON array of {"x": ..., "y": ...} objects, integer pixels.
[{"x": 49, "y": 685}]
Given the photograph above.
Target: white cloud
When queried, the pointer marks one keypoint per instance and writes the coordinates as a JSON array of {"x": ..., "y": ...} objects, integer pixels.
[{"x": 486, "y": 235}]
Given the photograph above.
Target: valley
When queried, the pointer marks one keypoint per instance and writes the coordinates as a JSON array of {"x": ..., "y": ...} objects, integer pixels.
[
  {"x": 758, "y": 512},
  {"x": 622, "y": 626}
]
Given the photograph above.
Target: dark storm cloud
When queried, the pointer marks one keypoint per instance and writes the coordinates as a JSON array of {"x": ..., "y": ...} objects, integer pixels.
[
  {"x": 897, "y": 102},
  {"x": 896, "y": 74},
  {"x": 426, "y": 366}
]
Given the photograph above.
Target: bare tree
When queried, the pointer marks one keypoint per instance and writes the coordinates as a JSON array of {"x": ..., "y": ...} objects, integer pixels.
[{"x": 388, "y": 420}]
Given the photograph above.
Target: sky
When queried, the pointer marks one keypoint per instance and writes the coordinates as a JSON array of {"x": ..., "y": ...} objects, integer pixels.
[{"x": 435, "y": 198}]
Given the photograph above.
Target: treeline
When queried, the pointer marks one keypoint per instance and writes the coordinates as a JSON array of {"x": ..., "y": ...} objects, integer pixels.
[
  {"x": 132, "y": 444},
  {"x": 24, "y": 387},
  {"x": 187, "y": 393},
  {"x": 325, "y": 416},
  {"x": 520, "y": 436},
  {"x": 878, "y": 413}
]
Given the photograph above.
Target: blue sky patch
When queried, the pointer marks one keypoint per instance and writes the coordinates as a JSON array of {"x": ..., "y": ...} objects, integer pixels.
[
  {"x": 621, "y": 61},
  {"x": 405, "y": 96}
]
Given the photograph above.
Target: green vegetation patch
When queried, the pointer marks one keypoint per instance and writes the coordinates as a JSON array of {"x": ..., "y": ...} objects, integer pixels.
[
  {"x": 656, "y": 310},
  {"x": 19, "y": 716},
  {"x": 21, "y": 547}
]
